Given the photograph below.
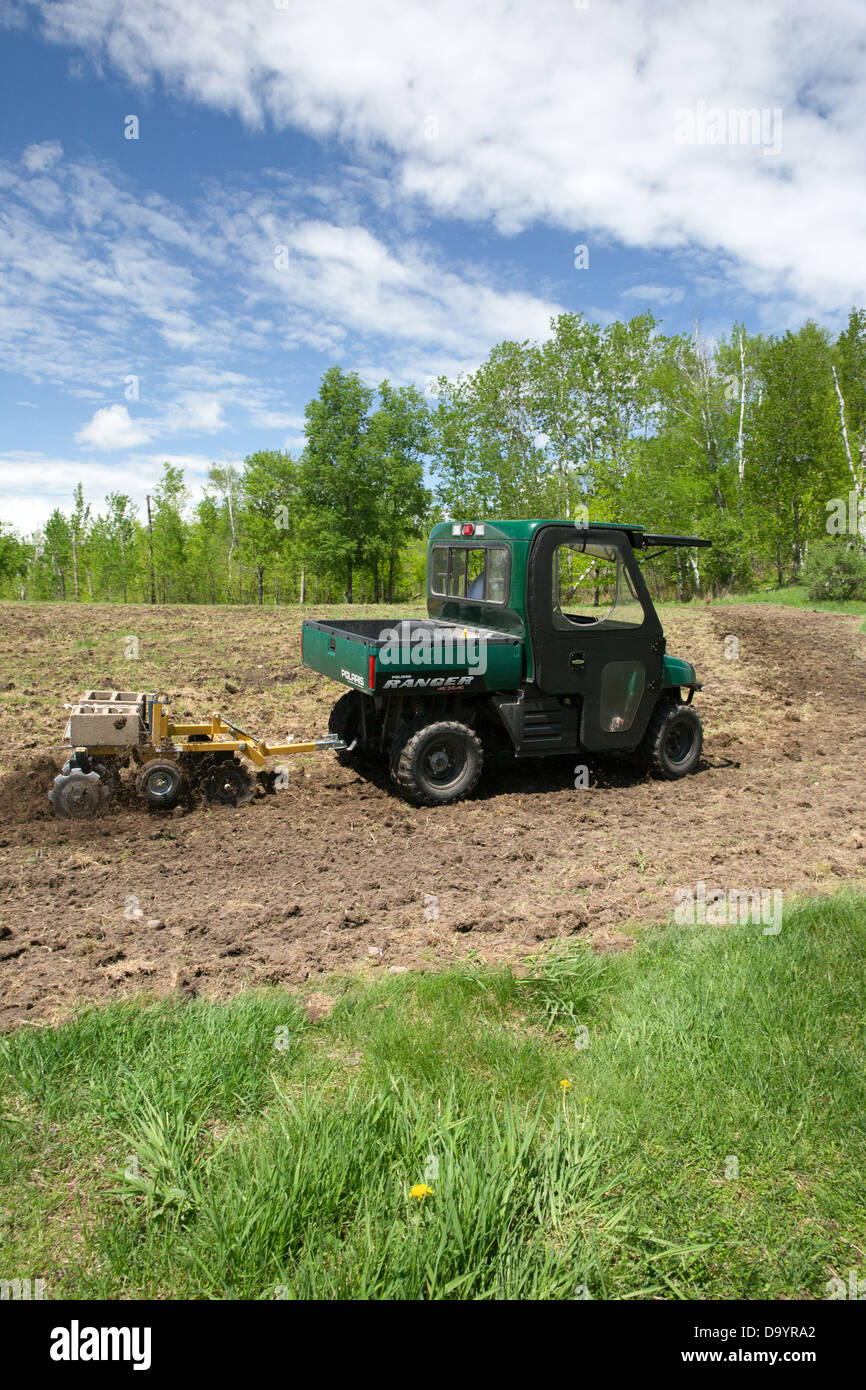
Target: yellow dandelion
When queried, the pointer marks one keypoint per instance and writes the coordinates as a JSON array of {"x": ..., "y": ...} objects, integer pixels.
[
  {"x": 420, "y": 1190},
  {"x": 566, "y": 1085}
]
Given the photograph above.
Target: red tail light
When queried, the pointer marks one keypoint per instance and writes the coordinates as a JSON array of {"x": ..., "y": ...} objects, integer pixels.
[
  {"x": 371, "y": 671},
  {"x": 467, "y": 529}
]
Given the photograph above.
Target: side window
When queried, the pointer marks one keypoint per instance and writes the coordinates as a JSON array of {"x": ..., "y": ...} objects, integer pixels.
[{"x": 591, "y": 586}]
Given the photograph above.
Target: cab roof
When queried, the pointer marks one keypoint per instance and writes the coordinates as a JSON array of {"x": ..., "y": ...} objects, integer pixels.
[{"x": 525, "y": 530}]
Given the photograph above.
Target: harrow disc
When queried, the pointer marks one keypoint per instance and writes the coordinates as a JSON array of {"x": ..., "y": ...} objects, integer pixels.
[
  {"x": 77, "y": 793},
  {"x": 226, "y": 783}
]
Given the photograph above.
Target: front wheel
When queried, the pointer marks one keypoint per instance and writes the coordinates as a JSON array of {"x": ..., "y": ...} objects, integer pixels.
[
  {"x": 160, "y": 784},
  {"x": 434, "y": 763},
  {"x": 672, "y": 744}
]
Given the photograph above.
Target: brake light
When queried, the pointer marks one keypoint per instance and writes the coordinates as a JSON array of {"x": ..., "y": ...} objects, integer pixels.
[
  {"x": 467, "y": 529},
  {"x": 371, "y": 671}
]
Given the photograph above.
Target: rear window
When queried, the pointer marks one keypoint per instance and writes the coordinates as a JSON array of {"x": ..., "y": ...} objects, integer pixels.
[{"x": 477, "y": 573}]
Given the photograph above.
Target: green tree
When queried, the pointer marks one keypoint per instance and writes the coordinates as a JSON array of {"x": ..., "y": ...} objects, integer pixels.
[
  {"x": 269, "y": 510},
  {"x": 113, "y": 546},
  {"x": 848, "y": 369},
  {"x": 13, "y": 556},
  {"x": 796, "y": 445},
  {"x": 79, "y": 529},
  {"x": 398, "y": 439},
  {"x": 337, "y": 481},
  {"x": 58, "y": 548},
  {"x": 225, "y": 480},
  {"x": 170, "y": 537}
]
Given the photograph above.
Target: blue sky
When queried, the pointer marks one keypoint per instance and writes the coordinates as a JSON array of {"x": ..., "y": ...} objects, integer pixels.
[{"x": 428, "y": 169}]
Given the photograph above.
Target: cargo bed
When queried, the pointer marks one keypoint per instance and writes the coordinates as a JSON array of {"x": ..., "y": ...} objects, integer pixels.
[{"x": 389, "y": 654}]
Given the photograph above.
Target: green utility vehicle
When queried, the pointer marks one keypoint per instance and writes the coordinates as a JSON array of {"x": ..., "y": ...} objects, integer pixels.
[{"x": 541, "y": 637}]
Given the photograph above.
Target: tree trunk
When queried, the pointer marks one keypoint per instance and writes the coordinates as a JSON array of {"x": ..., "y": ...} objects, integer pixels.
[
  {"x": 695, "y": 571},
  {"x": 741, "y": 459},
  {"x": 851, "y": 468},
  {"x": 150, "y": 543},
  {"x": 303, "y": 594},
  {"x": 260, "y": 571},
  {"x": 349, "y": 598},
  {"x": 234, "y": 536}
]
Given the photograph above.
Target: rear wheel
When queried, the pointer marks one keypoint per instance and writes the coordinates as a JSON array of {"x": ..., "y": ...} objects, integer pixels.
[
  {"x": 347, "y": 722},
  {"x": 673, "y": 741},
  {"x": 434, "y": 763}
]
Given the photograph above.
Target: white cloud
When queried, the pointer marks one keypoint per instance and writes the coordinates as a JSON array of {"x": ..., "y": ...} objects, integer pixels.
[
  {"x": 102, "y": 284},
  {"x": 193, "y": 413},
  {"x": 654, "y": 294},
  {"x": 33, "y": 483},
  {"x": 277, "y": 420},
  {"x": 112, "y": 428},
  {"x": 546, "y": 113},
  {"x": 37, "y": 158}
]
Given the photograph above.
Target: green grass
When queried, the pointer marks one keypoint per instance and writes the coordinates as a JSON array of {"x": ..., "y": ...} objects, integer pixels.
[
  {"x": 175, "y": 1150},
  {"x": 797, "y": 596}
]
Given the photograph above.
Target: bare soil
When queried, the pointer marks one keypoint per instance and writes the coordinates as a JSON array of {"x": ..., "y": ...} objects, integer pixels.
[{"x": 336, "y": 873}]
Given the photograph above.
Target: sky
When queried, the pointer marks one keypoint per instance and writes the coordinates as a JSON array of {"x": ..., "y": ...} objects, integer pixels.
[{"x": 204, "y": 204}]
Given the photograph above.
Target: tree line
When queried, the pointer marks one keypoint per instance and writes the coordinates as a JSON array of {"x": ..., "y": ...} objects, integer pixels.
[{"x": 757, "y": 442}]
